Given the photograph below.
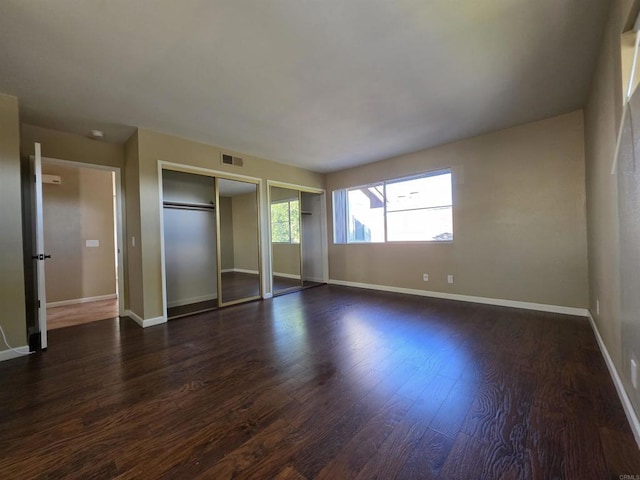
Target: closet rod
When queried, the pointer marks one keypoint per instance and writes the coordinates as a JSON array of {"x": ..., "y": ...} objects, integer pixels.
[{"x": 189, "y": 206}]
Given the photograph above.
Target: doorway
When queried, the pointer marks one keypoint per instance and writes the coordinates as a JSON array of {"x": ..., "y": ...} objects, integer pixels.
[
  {"x": 72, "y": 243},
  {"x": 79, "y": 219}
]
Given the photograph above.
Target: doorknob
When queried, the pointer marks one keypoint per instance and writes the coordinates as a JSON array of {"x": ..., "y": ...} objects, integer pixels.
[{"x": 47, "y": 256}]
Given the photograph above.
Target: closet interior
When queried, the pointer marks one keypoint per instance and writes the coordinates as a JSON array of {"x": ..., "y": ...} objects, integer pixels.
[
  {"x": 296, "y": 239},
  {"x": 211, "y": 242}
]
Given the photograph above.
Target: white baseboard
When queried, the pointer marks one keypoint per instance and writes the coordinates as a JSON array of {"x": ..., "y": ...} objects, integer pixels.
[
  {"x": 144, "y": 323},
  {"x": 74, "y": 301},
  {"x": 632, "y": 417},
  {"x": 541, "y": 307},
  {"x": 286, "y": 275},
  {"x": 203, "y": 298},
  {"x": 9, "y": 354},
  {"x": 243, "y": 270},
  {"x": 239, "y": 270}
]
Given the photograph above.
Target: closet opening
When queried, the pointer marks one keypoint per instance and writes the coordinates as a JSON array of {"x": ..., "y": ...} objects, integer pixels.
[{"x": 210, "y": 250}]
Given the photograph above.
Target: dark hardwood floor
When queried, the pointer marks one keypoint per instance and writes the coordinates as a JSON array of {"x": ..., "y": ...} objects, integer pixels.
[
  {"x": 330, "y": 383},
  {"x": 238, "y": 285}
]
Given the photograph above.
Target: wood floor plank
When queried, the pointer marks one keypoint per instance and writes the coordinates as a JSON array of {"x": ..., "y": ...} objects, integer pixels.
[
  {"x": 353, "y": 456},
  {"x": 428, "y": 456},
  {"x": 79, "y": 313},
  {"x": 329, "y": 382}
]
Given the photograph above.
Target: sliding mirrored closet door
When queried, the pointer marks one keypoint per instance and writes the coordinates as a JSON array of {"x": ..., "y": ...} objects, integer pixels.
[
  {"x": 239, "y": 245},
  {"x": 211, "y": 242},
  {"x": 286, "y": 253},
  {"x": 297, "y": 233}
]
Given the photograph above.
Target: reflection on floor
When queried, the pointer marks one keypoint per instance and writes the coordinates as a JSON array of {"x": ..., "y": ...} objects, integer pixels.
[
  {"x": 79, "y": 313},
  {"x": 235, "y": 286},
  {"x": 285, "y": 285},
  {"x": 309, "y": 284},
  {"x": 191, "y": 308}
]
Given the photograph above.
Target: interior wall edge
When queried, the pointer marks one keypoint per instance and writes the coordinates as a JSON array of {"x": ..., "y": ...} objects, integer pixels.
[
  {"x": 629, "y": 411},
  {"x": 145, "y": 322}
]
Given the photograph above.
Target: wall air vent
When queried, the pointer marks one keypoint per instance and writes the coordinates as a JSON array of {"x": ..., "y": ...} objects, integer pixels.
[{"x": 231, "y": 160}]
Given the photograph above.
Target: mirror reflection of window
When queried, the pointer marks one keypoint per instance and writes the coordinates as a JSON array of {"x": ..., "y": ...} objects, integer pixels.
[
  {"x": 285, "y": 221},
  {"x": 286, "y": 238}
]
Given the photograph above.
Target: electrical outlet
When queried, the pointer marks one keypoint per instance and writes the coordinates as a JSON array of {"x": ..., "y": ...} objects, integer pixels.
[
  {"x": 597, "y": 307},
  {"x": 425, "y": 277},
  {"x": 449, "y": 278},
  {"x": 634, "y": 373}
]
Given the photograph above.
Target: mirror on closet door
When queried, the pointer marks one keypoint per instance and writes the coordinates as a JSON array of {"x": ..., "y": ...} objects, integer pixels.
[
  {"x": 286, "y": 254},
  {"x": 239, "y": 246},
  {"x": 189, "y": 243}
]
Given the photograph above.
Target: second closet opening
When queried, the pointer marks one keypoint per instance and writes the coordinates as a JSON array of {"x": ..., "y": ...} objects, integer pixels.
[{"x": 211, "y": 242}]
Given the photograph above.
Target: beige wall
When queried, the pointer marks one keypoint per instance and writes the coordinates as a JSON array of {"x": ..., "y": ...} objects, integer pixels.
[
  {"x": 519, "y": 218},
  {"x": 286, "y": 258},
  {"x": 245, "y": 232},
  {"x": 602, "y": 119},
  {"x": 146, "y": 290},
  {"x": 79, "y": 209},
  {"x": 12, "y": 295},
  {"x": 133, "y": 252},
  {"x": 71, "y": 147}
]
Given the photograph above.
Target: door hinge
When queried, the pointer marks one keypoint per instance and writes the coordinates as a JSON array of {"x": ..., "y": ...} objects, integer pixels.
[{"x": 39, "y": 304}]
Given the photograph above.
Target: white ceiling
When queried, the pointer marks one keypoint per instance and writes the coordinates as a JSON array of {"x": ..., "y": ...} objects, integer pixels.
[{"x": 324, "y": 84}]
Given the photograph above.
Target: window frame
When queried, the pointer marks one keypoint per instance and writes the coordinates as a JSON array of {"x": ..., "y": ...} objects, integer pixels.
[{"x": 430, "y": 173}]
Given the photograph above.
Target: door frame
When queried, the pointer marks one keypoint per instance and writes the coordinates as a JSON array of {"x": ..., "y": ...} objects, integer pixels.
[{"x": 118, "y": 221}]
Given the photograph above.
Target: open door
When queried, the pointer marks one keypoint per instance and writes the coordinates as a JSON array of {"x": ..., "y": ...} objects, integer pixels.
[{"x": 39, "y": 256}]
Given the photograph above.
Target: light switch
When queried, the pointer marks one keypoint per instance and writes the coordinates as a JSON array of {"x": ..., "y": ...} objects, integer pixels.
[{"x": 92, "y": 243}]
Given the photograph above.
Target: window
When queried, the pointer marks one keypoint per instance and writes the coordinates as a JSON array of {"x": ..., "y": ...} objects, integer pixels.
[
  {"x": 417, "y": 208},
  {"x": 285, "y": 221}
]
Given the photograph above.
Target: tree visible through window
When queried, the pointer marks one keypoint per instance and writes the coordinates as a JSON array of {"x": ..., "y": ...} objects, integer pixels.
[{"x": 285, "y": 222}]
